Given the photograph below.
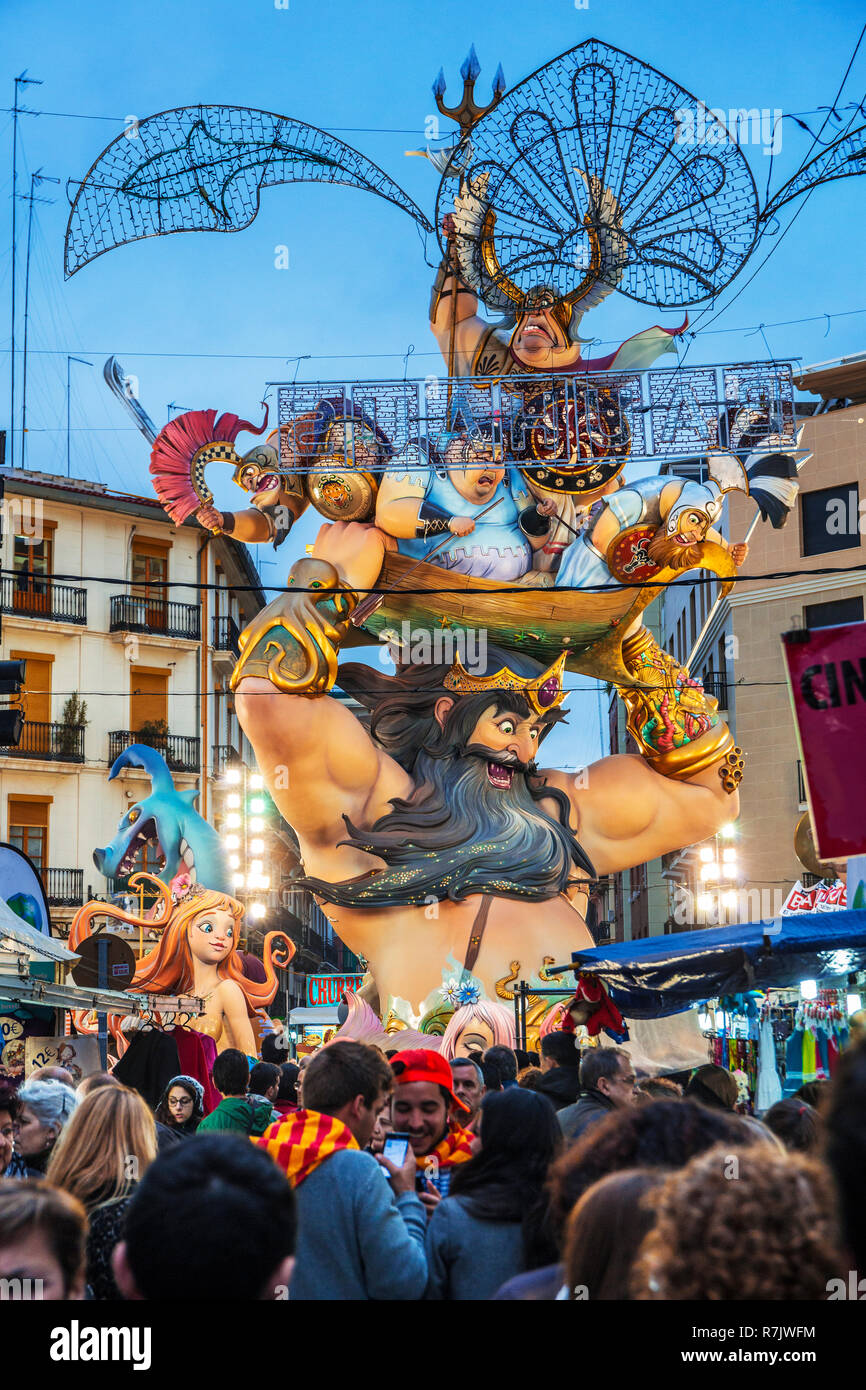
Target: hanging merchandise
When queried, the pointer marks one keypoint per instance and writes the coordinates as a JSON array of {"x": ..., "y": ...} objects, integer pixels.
[
  {"x": 819, "y": 1034},
  {"x": 769, "y": 1085}
]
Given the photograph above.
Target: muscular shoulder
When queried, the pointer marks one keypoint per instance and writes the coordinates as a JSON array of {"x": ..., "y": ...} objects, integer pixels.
[
  {"x": 565, "y": 782},
  {"x": 392, "y": 781}
]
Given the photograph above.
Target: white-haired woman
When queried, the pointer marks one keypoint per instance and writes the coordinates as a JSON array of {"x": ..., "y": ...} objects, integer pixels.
[{"x": 45, "y": 1108}]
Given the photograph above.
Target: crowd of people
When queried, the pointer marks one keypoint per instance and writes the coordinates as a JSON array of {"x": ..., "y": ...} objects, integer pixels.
[{"x": 503, "y": 1175}]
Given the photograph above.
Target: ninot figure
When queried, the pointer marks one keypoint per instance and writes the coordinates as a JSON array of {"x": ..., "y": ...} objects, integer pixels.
[{"x": 197, "y": 954}]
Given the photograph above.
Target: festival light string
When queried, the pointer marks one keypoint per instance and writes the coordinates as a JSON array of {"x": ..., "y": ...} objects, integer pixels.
[
  {"x": 356, "y": 129},
  {"x": 377, "y": 356},
  {"x": 778, "y": 241},
  {"x": 855, "y": 572}
]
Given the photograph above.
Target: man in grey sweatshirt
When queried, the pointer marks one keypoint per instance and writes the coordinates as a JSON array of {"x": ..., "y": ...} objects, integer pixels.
[{"x": 361, "y": 1227}]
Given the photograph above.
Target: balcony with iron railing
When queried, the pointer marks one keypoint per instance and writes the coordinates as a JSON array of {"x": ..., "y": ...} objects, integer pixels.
[
  {"x": 64, "y": 887},
  {"x": 224, "y": 757},
  {"x": 715, "y": 683},
  {"x": 32, "y": 596},
  {"x": 226, "y": 636},
  {"x": 56, "y": 743},
  {"x": 150, "y": 614},
  {"x": 144, "y": 894},
  {"x": 180, "y": 752}
]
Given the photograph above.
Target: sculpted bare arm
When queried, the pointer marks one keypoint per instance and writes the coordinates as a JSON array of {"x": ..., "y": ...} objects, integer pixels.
[
  {"x": 625, "y": 813},
  {"x": 235, "y": 1016},
  {"x": 318, "y": 761},
  {"x": 455, "y": 303}
]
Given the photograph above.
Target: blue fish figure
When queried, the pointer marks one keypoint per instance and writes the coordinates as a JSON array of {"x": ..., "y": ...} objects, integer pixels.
[{"x": 167, "y": 821}]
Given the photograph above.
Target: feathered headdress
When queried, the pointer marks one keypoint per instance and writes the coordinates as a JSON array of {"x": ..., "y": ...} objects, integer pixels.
[{"x": 183, "y": 449}]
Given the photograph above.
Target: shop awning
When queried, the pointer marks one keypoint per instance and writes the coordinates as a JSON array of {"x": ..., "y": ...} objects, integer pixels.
[
  {"x": 323, "y": 1017},
  {"x": 666, "y": 974},
  {"x": 19, "y": 937}
]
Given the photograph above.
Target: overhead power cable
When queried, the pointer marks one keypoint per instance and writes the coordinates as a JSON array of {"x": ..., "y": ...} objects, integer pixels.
[{"x": 400, "y": 592}]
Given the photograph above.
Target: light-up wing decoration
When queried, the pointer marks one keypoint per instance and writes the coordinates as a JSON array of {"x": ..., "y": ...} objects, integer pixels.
[{"x": 202, "y": 168}]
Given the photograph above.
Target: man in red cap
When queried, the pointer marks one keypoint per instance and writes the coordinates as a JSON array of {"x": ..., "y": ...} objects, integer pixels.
[{"x": 425, "y": 1107}]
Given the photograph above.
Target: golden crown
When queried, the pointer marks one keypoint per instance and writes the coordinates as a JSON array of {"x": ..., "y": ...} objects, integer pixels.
[{"x": 543, "y": 692}]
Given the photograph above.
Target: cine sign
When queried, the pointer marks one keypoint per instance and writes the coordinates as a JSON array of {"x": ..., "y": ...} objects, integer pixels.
[
  {"x": 827, "y": 675},
  {"x": 324, "y": 990}
]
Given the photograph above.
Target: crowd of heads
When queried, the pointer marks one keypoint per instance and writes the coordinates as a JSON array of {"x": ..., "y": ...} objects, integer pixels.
[{"x": 669, "y": 1194}]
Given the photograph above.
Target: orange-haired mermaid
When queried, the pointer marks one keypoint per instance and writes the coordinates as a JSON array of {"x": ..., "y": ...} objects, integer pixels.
[{"x": 196, "y": 954}]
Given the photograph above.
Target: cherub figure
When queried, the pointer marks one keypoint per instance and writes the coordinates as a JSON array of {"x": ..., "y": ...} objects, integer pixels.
[{"x": 459, "y": 495}]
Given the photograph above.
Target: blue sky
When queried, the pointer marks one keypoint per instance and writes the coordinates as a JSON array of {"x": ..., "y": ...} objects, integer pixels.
[{"x": 355, "y": 294}]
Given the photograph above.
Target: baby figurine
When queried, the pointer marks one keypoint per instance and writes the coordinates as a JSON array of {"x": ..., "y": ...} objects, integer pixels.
[{"x": 459, "y": 496}]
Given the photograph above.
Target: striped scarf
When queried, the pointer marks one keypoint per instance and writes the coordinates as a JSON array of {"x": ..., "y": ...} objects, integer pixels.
[
  {"x": 303, "y": 1140},
  {"x": 454, "y": 1148}
]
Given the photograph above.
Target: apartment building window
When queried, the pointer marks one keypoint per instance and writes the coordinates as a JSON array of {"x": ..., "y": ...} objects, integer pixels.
[
  {"x": 28, "y": 827},
  {"x": 835, "y": 612},
  {"x": 33, "y": 565},
  {"x": 148, "y": 696},
  {"x": 830, "y": 519},
  {"x": 149, "y": 578}
]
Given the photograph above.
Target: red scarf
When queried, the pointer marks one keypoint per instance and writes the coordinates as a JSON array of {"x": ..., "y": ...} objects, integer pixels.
[
  {"x": 303, "y": 1140},
  {"x": 454, "y": 1148}
]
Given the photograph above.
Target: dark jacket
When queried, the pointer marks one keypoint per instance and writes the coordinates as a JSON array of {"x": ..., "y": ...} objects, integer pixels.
[
  {"x": 561, "y": 1085},
  {"x": 106, "y": 1225},
  {"x": 591, "y": 1108},
  {"x": 539, "y": 1285},
  {"x": 470, "y": 1259}
]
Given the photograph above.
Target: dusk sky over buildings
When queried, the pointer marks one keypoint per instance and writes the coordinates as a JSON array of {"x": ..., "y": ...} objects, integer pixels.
[{"x": 207, "y": 319}]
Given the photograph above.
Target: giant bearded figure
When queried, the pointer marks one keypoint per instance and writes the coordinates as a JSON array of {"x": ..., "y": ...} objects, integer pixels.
[{"x": 440, "y": 846}]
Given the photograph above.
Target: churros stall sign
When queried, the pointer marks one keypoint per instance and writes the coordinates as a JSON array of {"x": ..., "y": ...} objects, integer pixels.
[
  {"x": 827, "y": 675},
  {"x": 327, "y": 990}
]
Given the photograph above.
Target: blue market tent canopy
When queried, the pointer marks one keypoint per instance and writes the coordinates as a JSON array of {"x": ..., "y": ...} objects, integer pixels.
[{"x": 666, "y": 974}]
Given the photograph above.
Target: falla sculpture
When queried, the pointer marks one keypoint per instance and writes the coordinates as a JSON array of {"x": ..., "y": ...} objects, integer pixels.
[
  {"x": 196, "y": 955},
  {"x": 438, "y": 841}
]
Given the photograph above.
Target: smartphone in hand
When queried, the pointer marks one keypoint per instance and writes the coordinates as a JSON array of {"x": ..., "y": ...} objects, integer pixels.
[{"x": 395, "y": 1148}]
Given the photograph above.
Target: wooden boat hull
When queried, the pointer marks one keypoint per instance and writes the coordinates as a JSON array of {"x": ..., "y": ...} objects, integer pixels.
[{"x": 540, "y": 622}]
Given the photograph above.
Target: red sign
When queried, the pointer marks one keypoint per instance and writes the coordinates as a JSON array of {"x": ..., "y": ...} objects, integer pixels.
[
  {"x": 327, "y": 990},
  {"x": 827, "y": 674}
]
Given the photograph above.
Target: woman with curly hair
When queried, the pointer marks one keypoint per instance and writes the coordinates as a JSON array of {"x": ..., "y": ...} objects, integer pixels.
[
  {"x": 663, "y": 1135},
  {"x": 755, "y": 1224}
]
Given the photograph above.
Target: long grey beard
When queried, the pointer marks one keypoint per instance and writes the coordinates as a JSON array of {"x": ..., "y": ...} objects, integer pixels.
[{"x": 458, "y": 834}]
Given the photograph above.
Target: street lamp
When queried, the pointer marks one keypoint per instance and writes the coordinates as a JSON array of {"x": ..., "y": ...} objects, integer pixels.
[{"x": 717, "y": 863}]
